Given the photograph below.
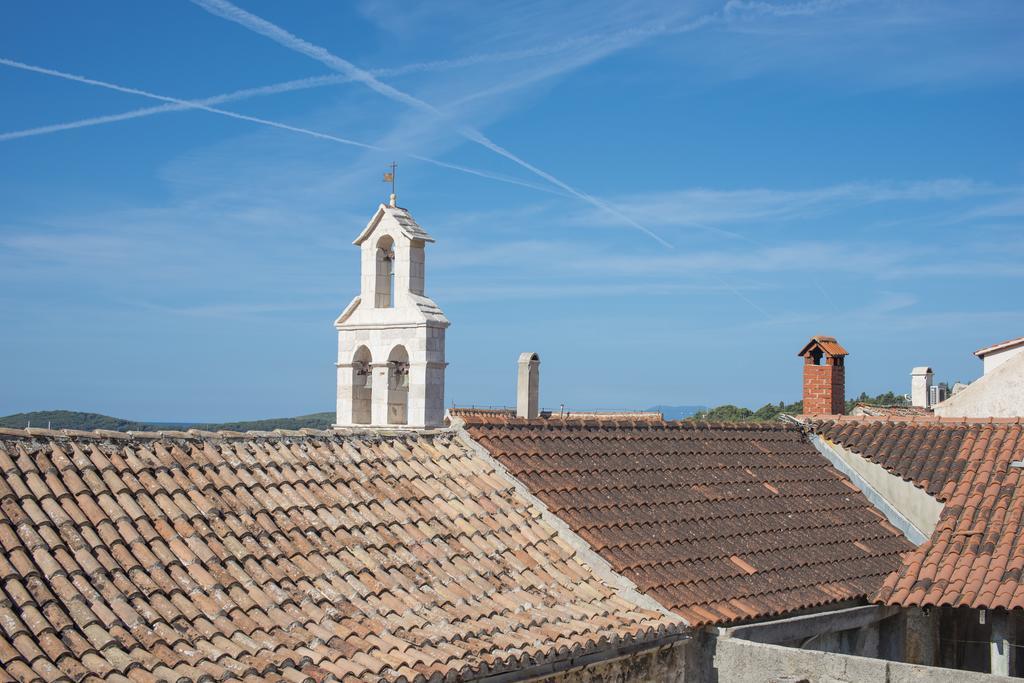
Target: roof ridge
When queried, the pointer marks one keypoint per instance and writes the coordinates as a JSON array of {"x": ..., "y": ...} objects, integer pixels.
[
  {"x": 501, "y": 418},
  {"x": 924, "y": 420},
  {"x": 202, "y": 434}
]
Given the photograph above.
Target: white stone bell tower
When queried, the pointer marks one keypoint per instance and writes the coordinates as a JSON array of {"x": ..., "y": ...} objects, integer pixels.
[{"x": 391, "y": 337}]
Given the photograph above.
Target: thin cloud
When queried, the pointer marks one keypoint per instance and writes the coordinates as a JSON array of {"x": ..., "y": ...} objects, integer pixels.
[
  {"x": 228, "y": 11},
  {"x": 517, "y": 291},
  {"x": 174, "y": 100},
  {"x": 706, "y": 208},
  {"x": 608, "y": 45},
  {"x": 187, "y": 104},
  {"x": 743, "y": 9},
  {"x": 274, "y": 89},
  {"x": 299, "y": 84}
]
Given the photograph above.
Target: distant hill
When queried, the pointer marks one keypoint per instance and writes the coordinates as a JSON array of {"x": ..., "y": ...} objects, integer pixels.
[
  {"x": 773, "y": 411},
  {"x": 311, "y": 421},
  {"x": 678, "y": 412},
  {"x": 67, "y": 419}
]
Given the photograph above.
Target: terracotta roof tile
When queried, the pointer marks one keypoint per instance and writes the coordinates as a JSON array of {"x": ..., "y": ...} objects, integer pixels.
[
  {"x": 889, "y": 411},
  {"x": 924, "y": 451},
  {"x": 719, "y": 522},
  {"x": 975, "y": 555},
  {"x": 277, "y": 557}
]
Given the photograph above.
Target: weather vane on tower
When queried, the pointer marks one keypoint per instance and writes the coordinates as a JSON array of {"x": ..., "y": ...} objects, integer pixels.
[{"x": 390, "y": 178}]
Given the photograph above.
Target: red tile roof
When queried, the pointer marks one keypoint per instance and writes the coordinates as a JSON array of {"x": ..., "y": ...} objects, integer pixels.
[
  {"x": 719, "y": 522},
  {"x": 1009, "y": 343},
  {"x": 294, "y": 556},
  {"x": 827, "y": 344},
  {"x": 975, "y": 556}
]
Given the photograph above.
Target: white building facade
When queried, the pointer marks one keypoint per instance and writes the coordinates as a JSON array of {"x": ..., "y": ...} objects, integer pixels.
[
  {"x": 391, "y": 355},
  {"x": 999, "y": 392},
  {"x": 997, "y": 354}
]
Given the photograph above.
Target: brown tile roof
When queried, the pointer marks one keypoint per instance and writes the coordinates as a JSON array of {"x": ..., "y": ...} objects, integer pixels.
[
  {"x": 914, "y": 450},
  {"x": 719, "y": 522},
  {"x": 975, "y": 556},
  {"x": 293, "y": 556},
  {"x": 889, "y": 411}
]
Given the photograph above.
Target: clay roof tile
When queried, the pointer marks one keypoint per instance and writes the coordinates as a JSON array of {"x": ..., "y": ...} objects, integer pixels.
[
  {"x": 288, "y": 556},
  {"x": 703, "y": 517},
  {"x": 974, "y": 554}
]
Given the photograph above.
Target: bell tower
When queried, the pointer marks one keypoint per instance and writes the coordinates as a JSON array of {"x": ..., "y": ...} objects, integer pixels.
[{"x": 391, "y": 337}]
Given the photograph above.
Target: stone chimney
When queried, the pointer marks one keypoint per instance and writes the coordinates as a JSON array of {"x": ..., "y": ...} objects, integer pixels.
[
  {"x": 824, "y": 376},
  {"x": 528, "y": 388},
  {"x": 921, "y": 387}
]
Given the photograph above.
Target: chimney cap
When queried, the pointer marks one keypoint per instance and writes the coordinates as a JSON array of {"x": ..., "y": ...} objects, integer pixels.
[
  {"x": 923, "y": 370},
  {"x": 527, "y": 356},
  {"x": 828, "y": 345}
]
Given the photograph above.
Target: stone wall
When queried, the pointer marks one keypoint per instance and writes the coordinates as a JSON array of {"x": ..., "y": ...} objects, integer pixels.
[{"x": 665, "y": 665}]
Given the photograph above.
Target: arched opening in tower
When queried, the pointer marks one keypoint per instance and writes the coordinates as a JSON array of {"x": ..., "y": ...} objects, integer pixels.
[
  {"x": 385, "y": 278},
  {"x": 398, "y": 386},
  {"x": 362, "y": 386}
]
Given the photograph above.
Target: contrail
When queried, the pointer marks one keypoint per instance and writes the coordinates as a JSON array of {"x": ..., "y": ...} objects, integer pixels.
[
  {"x": 226, "y": 10},
  {"x": 287, "y": 86},
  {"x": 177, "y": 103},
  {"x": 173, "y": 100},
  {"x": 321, "y": 81}
]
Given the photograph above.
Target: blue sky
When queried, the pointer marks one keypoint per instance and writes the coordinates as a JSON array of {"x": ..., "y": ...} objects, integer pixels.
[{"x": 665, "y": 200}]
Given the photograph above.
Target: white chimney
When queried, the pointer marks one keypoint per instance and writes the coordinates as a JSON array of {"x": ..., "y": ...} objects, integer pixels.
[
  {"x": 528, "y": 388},
  {"x": 921, "y": 387}
]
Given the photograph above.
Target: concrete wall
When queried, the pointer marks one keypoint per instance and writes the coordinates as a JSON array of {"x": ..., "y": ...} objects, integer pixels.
[
  {"x": 921, "y": 387},
  {"x": 728, "y": 656},
  {"x": 742, "y": 661},
  {"x": 528, "y": 385},
  {"x": 999, "y": 393}
]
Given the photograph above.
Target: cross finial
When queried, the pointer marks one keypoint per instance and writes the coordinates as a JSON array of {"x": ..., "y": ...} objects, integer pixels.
[{"x": 390, "y": 178}]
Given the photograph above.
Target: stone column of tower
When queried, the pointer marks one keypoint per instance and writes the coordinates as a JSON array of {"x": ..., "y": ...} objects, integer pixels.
[{"x": 391, "y": 360}]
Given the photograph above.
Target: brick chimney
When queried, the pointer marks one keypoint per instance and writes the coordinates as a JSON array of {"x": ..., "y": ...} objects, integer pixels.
[{"x": 824, "y": 376}]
